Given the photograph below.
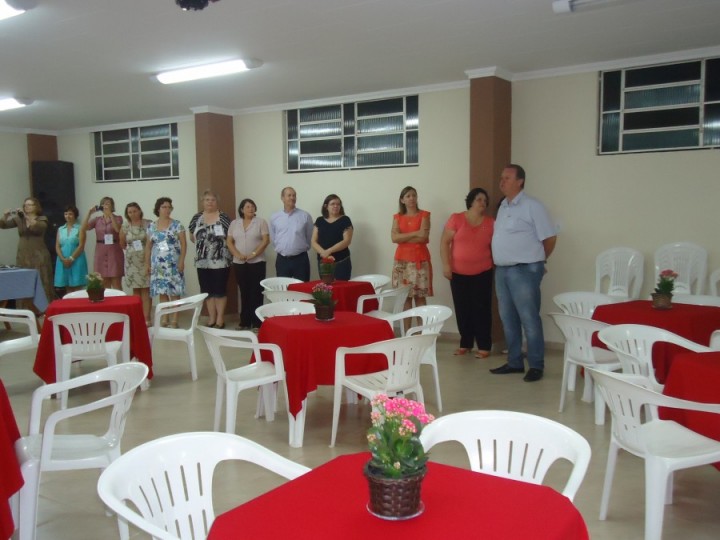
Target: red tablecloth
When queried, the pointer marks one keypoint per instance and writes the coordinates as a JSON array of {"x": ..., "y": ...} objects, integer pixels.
[
  {"x": 695, "y": 323},
  {"x": 11, "y": 479},
  {"x": 695, "y": 377},
  {"x": 345, "y": 293},
  {"x": 127, "y": 305},
  {"x": 330, "y": 502},
  {"x": 309, "y": 346}
]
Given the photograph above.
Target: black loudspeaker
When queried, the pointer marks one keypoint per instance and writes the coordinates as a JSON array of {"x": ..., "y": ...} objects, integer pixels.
[{"x": 53, "y": 184}]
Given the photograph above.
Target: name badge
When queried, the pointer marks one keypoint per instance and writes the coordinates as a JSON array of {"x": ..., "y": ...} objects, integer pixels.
[
  {"x": 108, "y": 239},
  {"x": 163, "y": 246},
  {"x": 137, "y": 245},
  {"x": 217, "y": 228}
]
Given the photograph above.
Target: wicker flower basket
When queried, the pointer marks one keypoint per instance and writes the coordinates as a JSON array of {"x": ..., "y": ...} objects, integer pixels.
[
  {"x": 96, "y": 295},
  {"x": 661, "y": 300},
  {"x": 325, "y": 312},
  {"x": 395, "y": 498}
]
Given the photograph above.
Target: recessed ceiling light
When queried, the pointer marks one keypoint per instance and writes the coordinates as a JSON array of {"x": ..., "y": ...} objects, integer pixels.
[
  {"x": 6, "y": 11},
  {"x": 206, "y": 71},
  {"x": 12, "y": 103}
]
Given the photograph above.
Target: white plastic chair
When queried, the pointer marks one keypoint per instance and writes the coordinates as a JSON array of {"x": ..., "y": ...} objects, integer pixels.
[
  {"x": 88, "y": 341},
  {"x": 378, "y": 281},
  {"x": 284, "y": 308},
  {"x": 512, "y": 444},
  {"x": 278, "y": 283},
  {"x": 47, "y": 447},
  {"x": 633, "y": 343},
  {"x": 432, "y": 319},
  {"x": 401, "y": 377},
  {"x": 82, "y": 293},
  {"x": 581, "y": 303},
  {"x": 623, "y": 268},
  {"x": 186, "y": 332},
  {"x": 287, "y": 296},
  {"x": 230, "y": 382},
  {"x": 23, "y": 317},
  {"x": 690, "y": 263},
  {"x": 696, "y": 299},
  {"x": 665, "y": 445},
  {"x": 390, "y": 302},
  {"x": 714, "y": 278},
  {"x": 578, "y": 333},
  {"x": 169, "y": 481}
]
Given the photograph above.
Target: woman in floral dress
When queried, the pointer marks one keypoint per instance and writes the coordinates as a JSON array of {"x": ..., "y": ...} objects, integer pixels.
[
  {"x": 133, "y": 239},
  {"x": 165, "y": 256}
]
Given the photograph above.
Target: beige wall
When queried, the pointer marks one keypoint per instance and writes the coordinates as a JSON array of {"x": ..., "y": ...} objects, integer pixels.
[
  {"x": 15, "y": 186},
  {"x": 635, "y": 200},
  {"x": 370, "y": 197}
]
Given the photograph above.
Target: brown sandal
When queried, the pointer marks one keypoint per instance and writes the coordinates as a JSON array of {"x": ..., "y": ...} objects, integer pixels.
[
  {"x": 461, "y": 351},
  {"x": 482, "y": 354}
]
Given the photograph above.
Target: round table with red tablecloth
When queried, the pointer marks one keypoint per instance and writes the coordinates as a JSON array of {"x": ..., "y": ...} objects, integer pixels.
[{"x": 345, "y": 293}]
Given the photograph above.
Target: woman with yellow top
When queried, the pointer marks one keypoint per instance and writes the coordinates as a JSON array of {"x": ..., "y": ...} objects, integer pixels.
[{"x": 411, "y": 232}]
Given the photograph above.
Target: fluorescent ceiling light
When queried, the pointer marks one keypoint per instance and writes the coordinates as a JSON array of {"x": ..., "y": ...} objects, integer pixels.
[
  {"x": 6, "y": 11},
  {"x": 12, "y": 103},
  {"x": 206, "y": 71},
  {"x": 568, "y": 6}
]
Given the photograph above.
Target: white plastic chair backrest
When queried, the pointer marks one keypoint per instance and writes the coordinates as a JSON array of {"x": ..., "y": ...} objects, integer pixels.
[
  {"x": 378, "y": 281},
  {"x": 287, "y": 296},
  {"x": 578, "y": 333},
  {"x": 389, "y": 300},
  {"x": 88, "y": 333},
  {"x": 169, "y": 481},
  {"x": 403, "y": 356},
  {"x": 191, "y": 303},
  {"x": 23, "y": 317},
  {"x": 217, "y": 339},
  {"x": 512, "y": 444},
  {"x": 690, "y": 263},
  {"x": 633, "y": 344},
  {"x": 626, "y": 396},
  {"x": 714, "y": 278},
  {"x": 623, "y": 268},
  {"x": 278, "y": 283},
  {"x": 697, "y": 299},
  {"x": 291, "y": 307},
  {"x": 124, "y": 379},
  {"x": 581, "y": 303},
  {"x": 432, "y": 317},
  {"x": 82, "y": 293}
]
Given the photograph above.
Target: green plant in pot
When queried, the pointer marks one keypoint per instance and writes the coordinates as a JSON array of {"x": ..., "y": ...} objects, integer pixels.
[
  {"x": 95, "y": 288},
  {"x": 323, "y": 299},
  {"x": 662, "y": 297}
]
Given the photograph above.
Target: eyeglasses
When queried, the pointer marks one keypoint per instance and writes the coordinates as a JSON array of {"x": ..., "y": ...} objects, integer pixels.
[{"x": 166, "y": 206}]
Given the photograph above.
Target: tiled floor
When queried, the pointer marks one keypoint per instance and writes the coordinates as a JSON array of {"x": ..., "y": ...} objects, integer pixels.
[{"x": 69, "y": 507}]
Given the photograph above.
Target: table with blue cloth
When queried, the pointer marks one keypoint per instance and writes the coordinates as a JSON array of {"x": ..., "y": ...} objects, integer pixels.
[{"x": 18, "y": 283}]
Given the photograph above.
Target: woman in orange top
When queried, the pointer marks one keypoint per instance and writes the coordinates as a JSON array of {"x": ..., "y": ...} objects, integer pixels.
[
  {"x": 411, "y": 232},
  {"x": 467, "y": 263}
]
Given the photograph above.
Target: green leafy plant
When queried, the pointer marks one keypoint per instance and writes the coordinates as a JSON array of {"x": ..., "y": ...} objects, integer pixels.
[
  {"x": 666, "y": 282},
  {"x": 94, "y": 281},
  {"x": 394, "y": 436},
  {"x": 327, "y": 265}
]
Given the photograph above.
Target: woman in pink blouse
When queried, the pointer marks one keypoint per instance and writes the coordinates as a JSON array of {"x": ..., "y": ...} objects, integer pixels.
[
  {"x": 467, "y": 263},
  {"x": 109, "y": 258}
]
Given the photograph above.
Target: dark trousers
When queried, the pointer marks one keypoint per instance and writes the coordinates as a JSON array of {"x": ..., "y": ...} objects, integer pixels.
[
  {"x": 248, "y": 277},
  {"x": 472, "y": 296},
  {"x": 297, "y": 266},
  {"x": 343, "y": 269}
]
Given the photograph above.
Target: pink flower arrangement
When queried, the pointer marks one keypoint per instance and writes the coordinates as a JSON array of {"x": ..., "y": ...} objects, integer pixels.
[
  {"x": 394, "y": 436},
  {"x": 666, "y": 282},
  {"x": 322, "y": 294}
]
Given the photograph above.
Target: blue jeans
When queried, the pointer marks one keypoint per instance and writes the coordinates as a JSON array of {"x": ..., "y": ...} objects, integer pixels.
[
  {"x": 297, "y": 266},
  {"x": 518, "y": 294}
]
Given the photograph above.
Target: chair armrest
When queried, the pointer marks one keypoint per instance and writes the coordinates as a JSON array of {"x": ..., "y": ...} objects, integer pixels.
[
  {"x": 423, "y": 329},
  {"x": 363, "y": 298}
]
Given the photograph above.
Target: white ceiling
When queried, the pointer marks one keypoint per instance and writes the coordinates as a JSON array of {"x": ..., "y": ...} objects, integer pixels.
[{"x": 89, "y": 62}]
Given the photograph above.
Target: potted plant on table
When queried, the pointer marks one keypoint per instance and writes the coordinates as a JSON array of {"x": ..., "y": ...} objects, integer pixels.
[
  {"x": 399, "y": 462},
  {"x": 324, "y": 303},
  {"x": 94, "y": 288},
  {"x": 327, "y": 269},
  {"x": 662, "y": 297}
]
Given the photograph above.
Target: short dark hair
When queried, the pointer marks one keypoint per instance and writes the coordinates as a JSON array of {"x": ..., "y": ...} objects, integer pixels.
[
  {"x": 324, "y": 209},
  {"x": 243, "y": 203},
  {"x": 132, "y": 205},
  {"x": 159, "y": 203},
  {"x": 519, "y": 172},
  {"x": 401, "y": 205},
  {"x": 72, "y": 208},
  {"x": 473, "y": 195}
]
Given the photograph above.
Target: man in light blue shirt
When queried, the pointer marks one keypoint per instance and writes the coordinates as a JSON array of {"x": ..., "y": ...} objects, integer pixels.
[
  {"x": 523, "y": 239},
  {"x": 290, "y": 231}
]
